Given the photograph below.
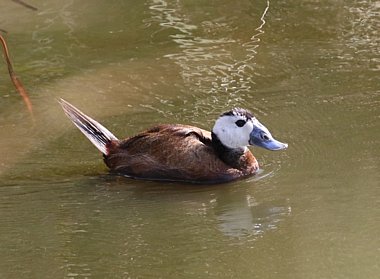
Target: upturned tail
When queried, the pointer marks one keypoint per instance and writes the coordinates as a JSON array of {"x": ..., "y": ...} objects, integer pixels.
[{"x": 92, "y": 129}]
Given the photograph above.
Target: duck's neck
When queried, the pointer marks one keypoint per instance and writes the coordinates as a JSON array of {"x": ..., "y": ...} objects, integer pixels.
[{"x": 230, "y": 156}]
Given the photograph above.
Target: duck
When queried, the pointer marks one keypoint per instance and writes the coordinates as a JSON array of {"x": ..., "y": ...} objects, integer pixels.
[{"x": 182, "y": 153}]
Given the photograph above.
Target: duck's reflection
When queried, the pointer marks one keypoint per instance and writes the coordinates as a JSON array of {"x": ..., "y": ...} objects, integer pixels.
[
  {"x": 151, "y": 221},
  {"x": 243, "y": 209},
  {"x": 241, "y": 215}
]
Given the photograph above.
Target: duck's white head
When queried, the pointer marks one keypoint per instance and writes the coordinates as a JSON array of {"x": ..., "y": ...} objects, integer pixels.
[{"x": 238, "y": 128}]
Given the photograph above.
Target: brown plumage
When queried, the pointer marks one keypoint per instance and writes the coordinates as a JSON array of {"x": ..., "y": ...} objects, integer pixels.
[
  {"x": 180, "y": 152},
  {"x": 176, "y": 152}
]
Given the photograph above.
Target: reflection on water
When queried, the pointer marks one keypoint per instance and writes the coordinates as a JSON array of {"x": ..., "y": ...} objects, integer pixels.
[
  {"x": 241, "y": 215},
  {"x": 247, "y": 217},
  {"x": 213, "y": 64}
]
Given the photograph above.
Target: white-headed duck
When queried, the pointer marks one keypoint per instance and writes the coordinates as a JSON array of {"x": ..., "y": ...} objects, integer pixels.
[{"x": 177, "y": 152}]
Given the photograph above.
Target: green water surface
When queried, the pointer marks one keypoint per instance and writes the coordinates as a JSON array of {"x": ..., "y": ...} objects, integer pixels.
[{"x": 309, "y": 70}]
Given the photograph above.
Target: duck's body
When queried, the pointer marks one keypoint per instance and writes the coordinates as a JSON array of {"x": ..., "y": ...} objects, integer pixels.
[{"x": 178, "y": 152}]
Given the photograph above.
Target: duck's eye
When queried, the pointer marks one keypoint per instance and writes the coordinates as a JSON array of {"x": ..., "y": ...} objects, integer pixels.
[
  {"x": 240, "y": 123},
  {"x": 264, "y": 137}
]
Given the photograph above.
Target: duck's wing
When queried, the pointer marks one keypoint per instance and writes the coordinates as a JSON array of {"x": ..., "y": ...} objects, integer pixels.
[{"x": 172, "y": 152}]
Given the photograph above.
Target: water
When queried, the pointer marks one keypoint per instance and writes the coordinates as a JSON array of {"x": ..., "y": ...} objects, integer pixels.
[{"x": 309, "y": 70}]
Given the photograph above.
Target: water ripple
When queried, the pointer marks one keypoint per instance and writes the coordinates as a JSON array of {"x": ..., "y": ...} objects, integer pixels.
[{"x": 217, "y": 69}]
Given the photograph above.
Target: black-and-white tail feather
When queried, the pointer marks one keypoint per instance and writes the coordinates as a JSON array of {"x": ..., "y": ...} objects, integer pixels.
[{"x": 92, "y": 129}]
